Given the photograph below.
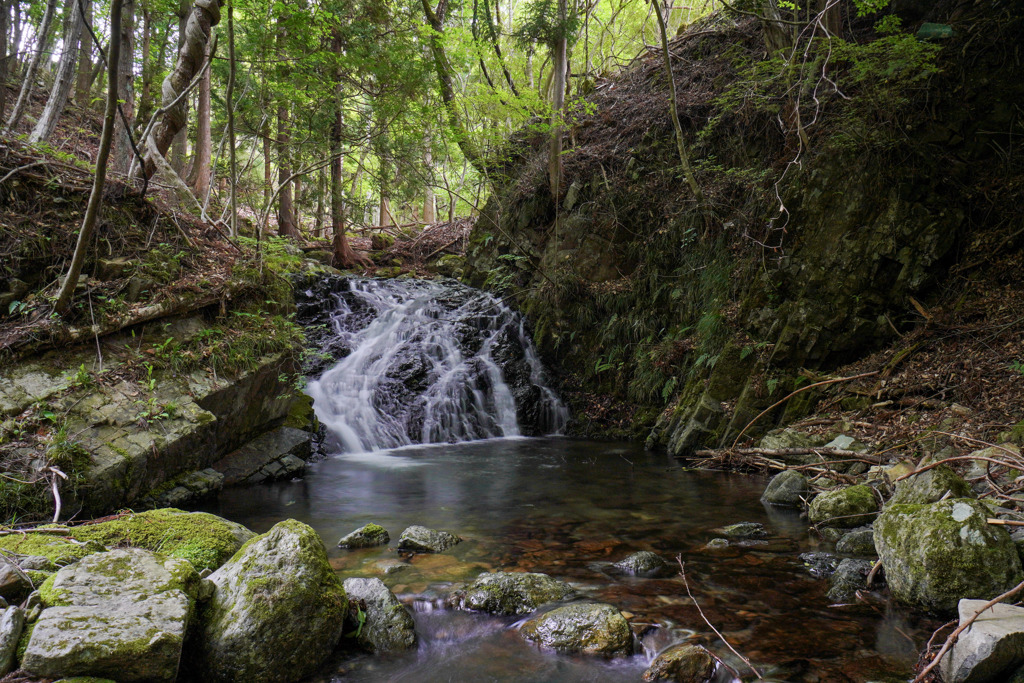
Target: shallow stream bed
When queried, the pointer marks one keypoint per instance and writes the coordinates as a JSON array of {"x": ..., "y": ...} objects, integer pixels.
[{"x": 570, "y": 508}]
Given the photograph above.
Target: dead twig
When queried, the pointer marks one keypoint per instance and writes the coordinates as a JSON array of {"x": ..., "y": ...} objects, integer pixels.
[{"x": 682, "y": 573}]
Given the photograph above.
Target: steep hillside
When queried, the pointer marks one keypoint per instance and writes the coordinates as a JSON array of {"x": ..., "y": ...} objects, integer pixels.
[{"x": 862, "y": 198}]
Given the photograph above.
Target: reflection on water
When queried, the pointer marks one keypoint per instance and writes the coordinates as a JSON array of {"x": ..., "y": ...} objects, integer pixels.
[{"x": 570, "y": 508}]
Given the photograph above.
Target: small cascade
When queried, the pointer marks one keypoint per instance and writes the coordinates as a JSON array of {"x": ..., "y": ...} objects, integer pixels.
[{"x": 428, "y": 362}]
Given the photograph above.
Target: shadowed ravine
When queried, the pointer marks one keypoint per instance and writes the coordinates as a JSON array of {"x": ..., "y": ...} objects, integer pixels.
[{"x": 423, "y": 361}]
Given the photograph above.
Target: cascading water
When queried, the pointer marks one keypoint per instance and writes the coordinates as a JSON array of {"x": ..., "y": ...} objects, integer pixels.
[{"x": 428, "y": 362}]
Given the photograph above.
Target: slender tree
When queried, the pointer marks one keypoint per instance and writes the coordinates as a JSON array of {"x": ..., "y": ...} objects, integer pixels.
[
  {"x": 231, "y": 118},
  {"x": 67, "y": 288},
  {"x": 199, "y": 175},
  {"x": 33, "y": 67},
  {"x": 122, "y": 153},
  {"x": 83, "y": 83},
  {"x": 47, "y": 122},
  {"x": 4, "y": 56},
  {"x": 560, "y": 66}
]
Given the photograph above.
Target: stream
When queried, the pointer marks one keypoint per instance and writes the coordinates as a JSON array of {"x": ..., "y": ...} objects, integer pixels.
[{"x": 413, "y": 362}]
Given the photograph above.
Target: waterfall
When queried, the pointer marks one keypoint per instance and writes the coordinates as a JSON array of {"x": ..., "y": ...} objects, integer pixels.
[{"x": 428, "y": 362}]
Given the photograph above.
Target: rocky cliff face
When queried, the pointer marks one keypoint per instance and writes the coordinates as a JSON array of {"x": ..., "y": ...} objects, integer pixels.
[{"x": 821, "y": 239}]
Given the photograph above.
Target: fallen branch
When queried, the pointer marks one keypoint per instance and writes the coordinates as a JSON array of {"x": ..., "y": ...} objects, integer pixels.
[
  {"x": 951, "y": 640},
  {"x": 776, "y": 452},
  {"x": 794, "y": 393},
  {"x": 682, "y": 573},
  {"x": 1005, "y": 522}
]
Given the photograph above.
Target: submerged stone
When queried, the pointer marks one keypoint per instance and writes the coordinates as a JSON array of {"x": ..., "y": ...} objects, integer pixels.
[
  {"x": 511, "y": 593},
  {"x": 847, "y": 507},
  {"x": 120, "y": 614},
  {"x": 682, "y": 663},
  {"x": 277, "y": 610},
  {"x": 387, "y": 625},
  {"x": 991, "y": 648},
  {"x": 587, "y": 628},
  {"x": 420, "y": 539},
  {"x": 820, "y": 565},
  {"x": 786, "y": 489},
  {"x": 849, "y": 577},
  {"x": 934, "y": 555},
  {"x": 366, "y": 536},
  {"x": 644, "y": 563},
  {"x": 743, "y": 530}
]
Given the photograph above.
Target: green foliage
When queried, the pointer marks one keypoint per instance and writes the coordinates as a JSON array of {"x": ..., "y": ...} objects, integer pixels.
[{"x": 538, "y": 21}]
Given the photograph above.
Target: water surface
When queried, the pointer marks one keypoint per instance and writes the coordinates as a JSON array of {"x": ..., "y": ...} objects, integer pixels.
[{"x": 570, "y": 508}]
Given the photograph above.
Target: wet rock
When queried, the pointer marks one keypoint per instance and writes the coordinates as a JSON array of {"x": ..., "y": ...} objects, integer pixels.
[
  {"x": 820, "y": 565},
  {"x": 786, "y": 489},
  {"x": 849, "y": 577},
  {"x": 14, "y": 583},
  {"x": 717, "y": 544},
  {"x": 930, "y": 487},
  {"x": 37, "y": 563},
  {"x": 936, "y": 554},
  {"x": 743, "y": 530},
  {"x": 420, "y": 539},
  {"x": 278, "y": 454},
  {"x": 511, "y": 593},
  {"x": 184, "y": 490},
  {"x": 831, "y": 534},
  {"x": 847, "y": 507},
  {"x": 644, "y": 563},
  {"x": 782, "y": 439},
  {"x": 366, "y": 536},
  {"x": 990, "y": 649},
  {"x": 388, "y": 626},
  {"x": 588, "y": 628},
  {"x": 857, "y": 542},
  {"x": 682, "y": 663},
  {"x": 11, "y": 623},
  {"x": 118, "y": 614},
  {"x": 277, "y": 610}
]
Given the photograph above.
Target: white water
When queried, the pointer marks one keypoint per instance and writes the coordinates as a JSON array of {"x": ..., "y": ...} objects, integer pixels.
[{"x": 429, "y": 367}]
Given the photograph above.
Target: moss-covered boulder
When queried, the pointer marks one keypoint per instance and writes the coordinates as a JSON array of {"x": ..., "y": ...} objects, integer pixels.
[
  {"x": 120, "y": 614},
  {"x": 682, "y": 663},
  {"x": 644, "y": 563},
  {"x": 55, "y": 547},
  {"x": 936, "y": 554},
  {"x": 786, "y": 489},
  {"x": 387, "y": 625},
  {"x": 366, "y": 536},
  {"x": 277, "y": 610},
  {"x": 420, "y": 539},
  {"x": 587, "y": 628},
  {"x": 857, "y": 542},
  {"x": 846, "y": 508},
  {"x": 930, "y": 487},
  {"x": 511, "y": 593},
  {"x": 205, "y": 540}
]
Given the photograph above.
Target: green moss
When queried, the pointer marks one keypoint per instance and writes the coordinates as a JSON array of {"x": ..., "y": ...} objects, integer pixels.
[
  {"x": 51, "y": 546},
  {"x": 53, "y": 597},
  {"x": 205, "y": 540},
  {"x": 847, "y": 507},
  {"x": 26, "y": 636}
]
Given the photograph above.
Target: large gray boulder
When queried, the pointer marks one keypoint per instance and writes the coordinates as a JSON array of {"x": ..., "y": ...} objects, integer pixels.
[
  {"x": 420, "y": 539},
  {"x": 786, "y": 489},
  {"x": 935, "y": 555},
  {"x": 277, "y": 610},
  {"x": 587, "y": 628},
  {"x": 387, "y": 625},
  {"x": 12, "y": 620},
  {"x": 682, "y": 663},
  {"x": 991, "y": 648},
  {"x": 120, "y": 614},
  {"x": 511, "y": 593},
  {"x": 845, "y": 508},
  {"x": 930, "y": 487}
]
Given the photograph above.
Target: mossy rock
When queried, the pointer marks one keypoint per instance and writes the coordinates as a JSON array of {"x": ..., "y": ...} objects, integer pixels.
[
  {"x": 367, "y": 536},
  {"x": 586, "y": 628},
  {"x": 52, "y": 546},
  {"x": 277, "y": 612},
  {"x": 935, "y": 555},
  {"x": 205, "y": 540},
  {"x": 682, "y": 662},
  {"x": 511, "y": 593},
  {"x": 846, "y": 508},
  {"x": 930, "y": 487}
]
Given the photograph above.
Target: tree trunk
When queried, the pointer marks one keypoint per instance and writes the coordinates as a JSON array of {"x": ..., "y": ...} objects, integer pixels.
[
  {"x": 231, "y": 118},
  {"x": 67, "y": 288},
  {"x": 4, "y": 56},
  {"x": 204, "y": 15},
  {"x": 268, "y": 176},
  {"x": 286, "y": 225},
  {"x": 150, "y": 67},
  {"x": 85, "y": 78},
  {"x": 122, "y": 153},
  {"x": 831, "y": 17},
  {"x": 558, "y": 59},
  {"x": 318, "y": 220},
  {"x": 344, "y": 256},
  {"x": 62, "y": 83},
  {"x": 199, "y": 177},
  {"x": 429, "y": 199},
  {"x": 297, "y": 203},
  {"x": 180, "y": 142},
  {"x": 33, "y": 67},
  {"x": 776, "y": 35}
]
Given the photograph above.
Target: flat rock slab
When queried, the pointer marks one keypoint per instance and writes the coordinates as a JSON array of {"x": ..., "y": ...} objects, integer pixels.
[
  {"x": 990, "y": 649},
  {"x": 120, "y": 614},
  {"x": 279, "y": 453}
]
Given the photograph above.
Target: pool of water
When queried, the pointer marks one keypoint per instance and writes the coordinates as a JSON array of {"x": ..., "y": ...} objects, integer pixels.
[{"x": 570, "y": 508}]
